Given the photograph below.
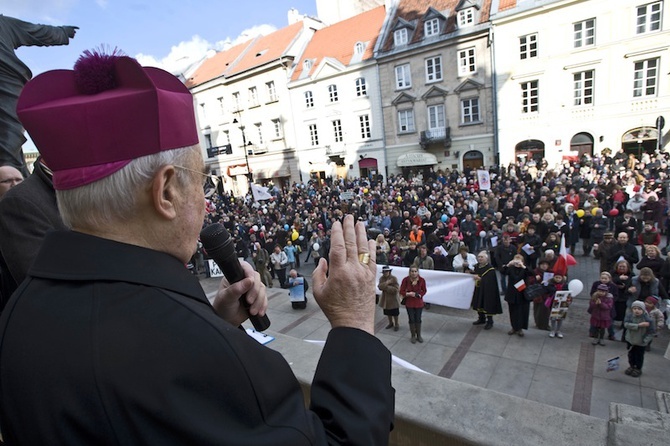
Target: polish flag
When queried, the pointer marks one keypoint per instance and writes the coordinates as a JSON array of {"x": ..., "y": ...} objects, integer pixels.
[{"x": 564, "y": 260}]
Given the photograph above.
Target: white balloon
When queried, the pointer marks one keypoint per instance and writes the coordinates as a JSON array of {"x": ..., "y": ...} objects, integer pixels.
[
  {"x": 316, "y": 246},
  {"x": 255, "y": 228},
  {"x": 482, "y": 234},
  {"x": 301, "y": 238},
  {"x": 575, "y": 286}
]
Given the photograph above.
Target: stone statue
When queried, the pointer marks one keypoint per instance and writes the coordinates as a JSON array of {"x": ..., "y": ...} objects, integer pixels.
[{"x": 14, "y": 74}]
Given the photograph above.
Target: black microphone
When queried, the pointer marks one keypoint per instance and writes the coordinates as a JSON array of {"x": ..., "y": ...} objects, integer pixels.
[{"x": 219, "y": 245}]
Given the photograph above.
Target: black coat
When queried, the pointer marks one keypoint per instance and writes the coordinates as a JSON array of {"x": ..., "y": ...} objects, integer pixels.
[
  {"x": 486, "y": 298},
  {"x": 108, "y": 343}
]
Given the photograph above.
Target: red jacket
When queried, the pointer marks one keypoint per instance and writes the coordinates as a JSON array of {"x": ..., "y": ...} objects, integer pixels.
[{"x": 419, "y": 289}]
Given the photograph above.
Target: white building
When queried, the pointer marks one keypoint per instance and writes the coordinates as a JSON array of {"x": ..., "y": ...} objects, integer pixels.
[
  {"x": 579, "y": 76},
  {"x": 336, "y": 104}
]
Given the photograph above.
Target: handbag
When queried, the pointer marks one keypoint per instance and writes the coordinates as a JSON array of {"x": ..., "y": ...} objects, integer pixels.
[
  {"x": 402, "y": 302},
  {"x": 533, "y": 291}
]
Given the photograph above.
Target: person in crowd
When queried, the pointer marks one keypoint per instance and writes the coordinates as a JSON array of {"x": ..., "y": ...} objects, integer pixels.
[
  {"x": 129, "y": 327},
  {"x": 552, "y": 242},
  {"x": 557, "y": 283},
  {"x": 626, "y": 223},
  {"x": 389, "y": 300},
  {"x": 423, "y": 260},
  {"x": 649, "y": 235},
  {"x": 502, "y": 255},
  {"x": 519, "y": 307},
  {"x": 598, "y": 224},
  {"x": 465, "y": 261},
  {"x": 573, "y": 223},
  {"x": 542, "y": 275},
  {"x": 291, "y": 252},
  {"x": 440, "y": 259},
  {"x": 639, "y": 333},
  {"x": 470, "y": 232},
  {"x": 417, "y": 235},
  {"x": 651, "y": 258},
  {"x": 410, "y": 254},
  {"x": 451, "y": 246},
  {"x": 656, "y": 315},
  {"x": 261, "y": 260},
  {"x": 602, "y": 250},
  {"x": 383, "y": 250},
  {"x": 622, "y": 277},
  {"x": 623, "y": 250},
  {"x": 279, "y": 262},
  {"x": 530, "y": 243},
  {"x": 9, "y": 177},
  {"x": 652, "y": 211},
  {"x": 600, "y": 308},
  {"x": 486, "y": 297},
  {"x": 606, "y": 279},
  {"x": 412, "y": 291},
  {"x": 645, "y": 284}
]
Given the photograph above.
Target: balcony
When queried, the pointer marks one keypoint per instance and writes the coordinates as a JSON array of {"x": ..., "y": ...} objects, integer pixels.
[
  {"x": 213, "y": 152},
  {"x": 437, "y": 135}
]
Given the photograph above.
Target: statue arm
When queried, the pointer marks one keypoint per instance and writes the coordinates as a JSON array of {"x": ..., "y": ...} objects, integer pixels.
[{"x": 32, "y": 34}]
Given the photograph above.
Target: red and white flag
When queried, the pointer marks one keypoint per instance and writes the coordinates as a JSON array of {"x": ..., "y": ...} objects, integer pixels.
[{"x": 564, "y": 260}]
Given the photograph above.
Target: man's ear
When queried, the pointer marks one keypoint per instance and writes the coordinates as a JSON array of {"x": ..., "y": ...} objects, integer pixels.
[{"x": 164, "y": 191}]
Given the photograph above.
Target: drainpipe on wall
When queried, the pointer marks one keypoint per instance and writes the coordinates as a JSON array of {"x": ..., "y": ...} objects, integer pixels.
[{"x": 494, "y": 96}]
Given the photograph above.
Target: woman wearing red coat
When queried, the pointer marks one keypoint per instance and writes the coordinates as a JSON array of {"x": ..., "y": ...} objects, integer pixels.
[{"x": 412, "y": 290}]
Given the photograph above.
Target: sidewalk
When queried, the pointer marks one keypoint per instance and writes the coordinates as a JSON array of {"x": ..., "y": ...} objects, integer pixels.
[{"x": 569, "y": 373}]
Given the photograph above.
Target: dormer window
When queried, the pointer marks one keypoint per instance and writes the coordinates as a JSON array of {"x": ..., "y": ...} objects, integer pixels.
[
  {"x": 431, "y": 27},
  {"x": 307, "y": 65},
  {"x": 359, "y": 48},
  {"x": 400, "y": 37},
  {"x": 466, "y": 17}
]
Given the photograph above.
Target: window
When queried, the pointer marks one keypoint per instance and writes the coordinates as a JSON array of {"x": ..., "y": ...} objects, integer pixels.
[
  {"x": 466, "y": 17},
  {"x": 259, "y": 132},
  {"x": 203, "y": 111},
  {"x": 433, "y": 69},
  {"x": 470, "y": 110},
  {"x": 253, "y": 97},
  {"x": 236, "y": 101},
  {"x": 585, "y": 33},
  {"x": 467, "y": 63},
  {"x": 405, "y": 121},
  {"x": 272, "y": 91},
  {"x": 528, "y": 46},
  {"x": 359, "y": 48},
  {"x": 208, "y": 141},
  {"x": 337, "y": 130},
  {"x": 365, "y": 126},
  {"x": 221, "y": 109},
  {"x": 276, "y": 128},
  {"x": 402, "y": 77},
  {"x": 307, "y": 65},
  {"x": 332, "y": 93},
  {"x": 361, "y": 87},
  {"x": 646, "y": 78},
  {"x": 226, "y": 135},
  {"x": 313, "y": 135},
  {"x": 431, "y": 27},
  {"x": 529, "y": 97},
  {"x": 583, "y": 88},
  {"x": 649, "y": 17},
  {"x": 400, "y": 37},
  {"x": 309, "y": 99},
  {"x": 436, "y": 117}
]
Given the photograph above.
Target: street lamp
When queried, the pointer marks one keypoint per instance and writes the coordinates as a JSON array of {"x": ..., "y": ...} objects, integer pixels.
[{"x": 245, "y": 146}]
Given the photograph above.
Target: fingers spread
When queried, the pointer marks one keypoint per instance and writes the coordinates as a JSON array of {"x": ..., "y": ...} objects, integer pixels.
[{"x": 350, "y": 238}]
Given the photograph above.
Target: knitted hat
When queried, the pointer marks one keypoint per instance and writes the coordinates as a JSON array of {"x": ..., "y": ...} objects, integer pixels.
[
  {"x": 639, "y": 304},
  {"x": 652, "y": 299},
  {"x": 92, "y": 121},
  {"x": 603, "y": 287}
]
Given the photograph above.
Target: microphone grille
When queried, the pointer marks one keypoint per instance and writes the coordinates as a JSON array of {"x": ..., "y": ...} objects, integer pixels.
[{"x": 214, "y": 236}]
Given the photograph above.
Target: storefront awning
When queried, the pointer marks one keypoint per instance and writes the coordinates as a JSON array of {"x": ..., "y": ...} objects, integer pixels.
[
  {"x": 367, "y": 163},
  {"x": 238, "y": 169},
  {"x": 416, "y": 159}
]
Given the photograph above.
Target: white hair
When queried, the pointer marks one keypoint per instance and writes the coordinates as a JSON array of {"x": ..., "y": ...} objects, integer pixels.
[{"x": 114, "y": 198}]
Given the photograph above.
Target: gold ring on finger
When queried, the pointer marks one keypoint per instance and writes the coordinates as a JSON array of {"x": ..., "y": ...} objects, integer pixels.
[{"x": 364, "y": 258}]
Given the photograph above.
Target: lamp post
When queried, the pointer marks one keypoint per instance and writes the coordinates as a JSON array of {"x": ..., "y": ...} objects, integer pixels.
[{"x": 245, "y": 146}]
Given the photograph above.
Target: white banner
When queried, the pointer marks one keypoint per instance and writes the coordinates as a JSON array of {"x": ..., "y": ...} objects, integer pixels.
[
  {"x": 442, "y": 287},
  {"x": 260, "y": 192}
]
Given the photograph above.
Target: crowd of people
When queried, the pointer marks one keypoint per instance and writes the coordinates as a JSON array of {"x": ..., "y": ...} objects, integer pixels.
[{"x": 613, "y": 208}]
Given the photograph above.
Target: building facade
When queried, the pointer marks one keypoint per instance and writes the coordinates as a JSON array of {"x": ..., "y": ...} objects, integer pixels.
[
  {"x": 577, "y": 77},
  {"x": 435, "y": 80}
]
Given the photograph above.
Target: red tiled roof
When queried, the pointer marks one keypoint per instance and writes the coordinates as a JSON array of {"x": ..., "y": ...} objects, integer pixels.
[
  {"x": 267, "y": 48},
  {"x": 216, "y": 66},
  {"x": 337, "y": 41},
  {"x": 414, "y": 10}
]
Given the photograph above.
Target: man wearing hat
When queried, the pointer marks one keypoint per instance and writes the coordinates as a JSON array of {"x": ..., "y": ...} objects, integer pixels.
[{"x": 110, "y": 339}]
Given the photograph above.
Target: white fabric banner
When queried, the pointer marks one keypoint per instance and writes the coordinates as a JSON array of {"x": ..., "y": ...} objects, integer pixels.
[
  {"x": 442, "y": 287},
  {"x": 260, "y": 192}
]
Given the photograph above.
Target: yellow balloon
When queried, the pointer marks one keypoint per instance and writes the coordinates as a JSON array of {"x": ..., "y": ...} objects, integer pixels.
[
  {"x": 365, "y": 190},
  {"x": 593, "y": 211},
  {"x": 294, "y": 236},
  {"x": 580, "y": 213},
  {"x": 399, "y": 198}
]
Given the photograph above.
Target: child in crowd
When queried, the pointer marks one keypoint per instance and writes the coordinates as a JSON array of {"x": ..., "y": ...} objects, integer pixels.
[
  {"x": 656, "y": 315},
  {"x": 639, "y": 331},
  {"x": 600, "y": 308},
  {"x": 557, "y": 283}
]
